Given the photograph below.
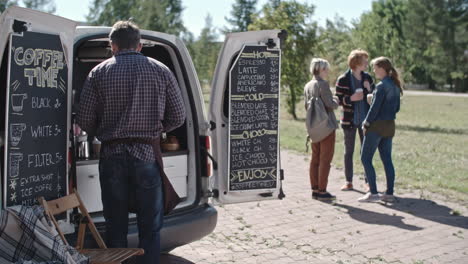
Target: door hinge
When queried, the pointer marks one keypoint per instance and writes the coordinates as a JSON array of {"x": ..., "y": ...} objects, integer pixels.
[
  {"x": 270, "y": 43},
  {"x": 281, "y": 194},
  {"x": 212, "y": 125},
  {"x": 281, "y": 174},
  {"x": 19, "y": 26},
  {"x": 211, "y": 193},
  {"x": 283, "y": 35}
]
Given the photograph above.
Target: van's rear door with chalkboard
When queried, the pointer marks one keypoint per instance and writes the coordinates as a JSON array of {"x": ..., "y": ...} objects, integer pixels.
[
  {"x": 244, "y": 113},
  {"x": 37, "y": 105}
]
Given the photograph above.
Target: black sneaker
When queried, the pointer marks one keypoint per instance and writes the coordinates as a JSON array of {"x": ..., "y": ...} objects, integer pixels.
[
  {"x": 325, "y": 196},
  {"x": 315, "y": 195}
]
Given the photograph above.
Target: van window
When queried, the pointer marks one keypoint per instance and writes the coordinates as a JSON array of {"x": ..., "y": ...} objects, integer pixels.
[{"x": 227, "y": 90}]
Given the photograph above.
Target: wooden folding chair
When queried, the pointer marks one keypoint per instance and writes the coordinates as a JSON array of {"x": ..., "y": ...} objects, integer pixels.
[{"x": 101, "y": 255}]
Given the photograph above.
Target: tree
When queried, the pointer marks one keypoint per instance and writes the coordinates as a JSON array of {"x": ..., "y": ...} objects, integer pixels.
[
  {"x": 241, "y": 15},
  {"x": 41, "y": 5},
  {"x": 380, "y": 31},
  {"x": 447, "y": 25},
  {"x": 4, "y": 4},
  {"x": 205, "y": 51},
  {"x": 426, "y": 39},
  {"x": 298, "y": 48},
  {"x": 158, "y": 15},
  {"x": 416, "y": 29},
  {"x": 336, "y": 42},
  {"x": 107, "y": 12}
]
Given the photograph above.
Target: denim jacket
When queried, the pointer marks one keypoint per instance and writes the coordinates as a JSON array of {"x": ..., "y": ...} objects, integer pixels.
[{"x": 385, "y": 102}]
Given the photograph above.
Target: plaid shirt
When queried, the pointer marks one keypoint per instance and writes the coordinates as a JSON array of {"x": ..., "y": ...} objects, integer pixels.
[
  {"x": 27, "y": 236},
  {"x": 130, "y": 96}
]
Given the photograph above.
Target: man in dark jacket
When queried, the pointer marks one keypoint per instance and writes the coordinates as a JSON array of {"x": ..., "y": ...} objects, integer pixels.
[
  {"x": 352, "y": 89},
  {"x": 128, "y": 101}
]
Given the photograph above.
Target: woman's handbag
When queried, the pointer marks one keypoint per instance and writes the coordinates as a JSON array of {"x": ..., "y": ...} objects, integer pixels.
[{"x": 317, "y": 118}]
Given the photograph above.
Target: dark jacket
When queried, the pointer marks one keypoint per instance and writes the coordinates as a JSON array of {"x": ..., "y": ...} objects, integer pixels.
[
  {"x": 385, "y": 103},
  {"x": 344, "y": 91}
]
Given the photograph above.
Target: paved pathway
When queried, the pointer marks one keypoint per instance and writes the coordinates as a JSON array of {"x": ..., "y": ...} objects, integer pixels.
[{"x": 414, "y": 230}]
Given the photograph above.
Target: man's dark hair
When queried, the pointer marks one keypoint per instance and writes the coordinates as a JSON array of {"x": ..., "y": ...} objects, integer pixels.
[{"x": 125, "y": 34}]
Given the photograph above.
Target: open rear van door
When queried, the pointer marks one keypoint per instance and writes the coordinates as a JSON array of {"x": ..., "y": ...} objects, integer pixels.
[
  {"x": 36, "y": 50},
  {"x": 244, "y": 117}
]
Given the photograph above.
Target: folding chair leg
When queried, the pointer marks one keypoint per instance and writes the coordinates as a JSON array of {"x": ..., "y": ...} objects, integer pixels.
[{"x": 81, "y": 235}]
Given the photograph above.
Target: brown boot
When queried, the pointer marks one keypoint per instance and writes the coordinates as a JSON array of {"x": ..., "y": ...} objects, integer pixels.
[{"x": 347, "y": 187}]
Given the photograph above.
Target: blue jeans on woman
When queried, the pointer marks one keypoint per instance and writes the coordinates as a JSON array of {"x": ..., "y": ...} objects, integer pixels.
[
  {"x": 372, "y": 141},
  {"x": 126, "y": 181}
]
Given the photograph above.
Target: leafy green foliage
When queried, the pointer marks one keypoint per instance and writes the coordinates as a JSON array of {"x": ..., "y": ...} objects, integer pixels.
[
  {"x": 335, "y": 44},
  {"x": 426, "y": 40},
  {"x": 157, "y": 15},
  {"x": 41, "y": 5},
  {"x": 205, "y": 51},
  {"x": 4, "y": 4},
  {"x": 241, "y": 15},
  {"x": 297, "y": 49}
]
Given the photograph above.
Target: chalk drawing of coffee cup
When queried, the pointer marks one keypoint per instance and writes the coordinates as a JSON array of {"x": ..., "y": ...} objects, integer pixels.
[
  {"x": 15, "y": 159},
  {"x": 17, "y": 101},
  {"x": 16, "y": 131}
]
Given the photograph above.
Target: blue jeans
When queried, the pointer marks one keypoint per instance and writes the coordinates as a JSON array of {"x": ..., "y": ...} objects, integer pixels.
[
  {"x": 349, "y": 142},
  {"x": 124, "y": 178},
  {"x": 372, "y": 141}
]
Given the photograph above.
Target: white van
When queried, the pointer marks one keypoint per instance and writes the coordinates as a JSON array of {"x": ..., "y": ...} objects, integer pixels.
[{"x": 44, "y": 62}]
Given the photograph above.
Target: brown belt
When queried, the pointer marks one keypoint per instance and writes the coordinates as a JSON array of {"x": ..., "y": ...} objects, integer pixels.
[{"x": 171, "y": 198}]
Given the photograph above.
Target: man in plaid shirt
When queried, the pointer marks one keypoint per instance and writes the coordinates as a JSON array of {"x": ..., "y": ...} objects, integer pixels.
[{"x": 129, "y": 98}]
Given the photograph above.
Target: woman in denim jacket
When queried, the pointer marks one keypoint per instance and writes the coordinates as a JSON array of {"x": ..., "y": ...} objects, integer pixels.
[{"x": 379, "y": 128}]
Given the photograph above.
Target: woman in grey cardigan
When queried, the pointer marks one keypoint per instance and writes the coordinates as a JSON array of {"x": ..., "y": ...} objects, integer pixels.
[{"x": 322, "y": 150}]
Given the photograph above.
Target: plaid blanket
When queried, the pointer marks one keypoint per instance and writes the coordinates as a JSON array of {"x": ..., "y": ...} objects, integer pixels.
[{"x": 26, "y": 236}]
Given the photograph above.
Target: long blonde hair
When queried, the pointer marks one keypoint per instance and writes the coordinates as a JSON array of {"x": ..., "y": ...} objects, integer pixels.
[{"x": 386, "y": 64}]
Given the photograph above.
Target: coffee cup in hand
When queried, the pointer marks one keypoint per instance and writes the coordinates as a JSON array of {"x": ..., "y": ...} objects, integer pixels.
[{"x": 358, "y": 95}]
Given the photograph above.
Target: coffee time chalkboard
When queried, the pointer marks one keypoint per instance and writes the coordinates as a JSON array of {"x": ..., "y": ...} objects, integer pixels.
[
  {"x": 253, "y": 119},
  {"x": 36, "y": 123}
]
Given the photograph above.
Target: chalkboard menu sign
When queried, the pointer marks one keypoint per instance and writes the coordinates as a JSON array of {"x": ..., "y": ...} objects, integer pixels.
[
  {"x": 36, "y": 125},
  {"x": 253, "y": 119}
]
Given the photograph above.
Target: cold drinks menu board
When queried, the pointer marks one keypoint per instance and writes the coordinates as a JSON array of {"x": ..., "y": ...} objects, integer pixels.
[
  {"x": 253, "y": 119},
  {"x": 36, "y": 132}
]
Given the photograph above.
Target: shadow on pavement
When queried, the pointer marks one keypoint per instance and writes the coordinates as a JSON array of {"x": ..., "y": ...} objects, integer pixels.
[
  {"x": 429, "y": 210},
  {"x": 375, "y": 218},
  {"x": 171, "y": 259}
]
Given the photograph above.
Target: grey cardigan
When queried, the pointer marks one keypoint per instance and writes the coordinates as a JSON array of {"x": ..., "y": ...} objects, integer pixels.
[{"x": 325, "y": 94}]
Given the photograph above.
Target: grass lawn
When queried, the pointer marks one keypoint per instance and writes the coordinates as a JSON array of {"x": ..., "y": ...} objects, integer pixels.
[{"x": 430, "y": 148}]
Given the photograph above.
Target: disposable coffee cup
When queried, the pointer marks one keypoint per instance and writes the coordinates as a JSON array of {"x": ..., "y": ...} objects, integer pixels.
[
  {"x": 359, "y": 90},
  {"x": 96, "y": 147}
]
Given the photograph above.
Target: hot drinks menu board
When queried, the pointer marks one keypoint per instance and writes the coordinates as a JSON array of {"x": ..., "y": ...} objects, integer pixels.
[
  {"x": 253, "y": 119},
  {"x": 36, "y": 126}
]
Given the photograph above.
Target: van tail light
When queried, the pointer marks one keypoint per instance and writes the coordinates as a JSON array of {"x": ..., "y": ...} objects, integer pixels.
[
  {"x": 208, "y": 164},
  {"x": 208, "y": 161}
]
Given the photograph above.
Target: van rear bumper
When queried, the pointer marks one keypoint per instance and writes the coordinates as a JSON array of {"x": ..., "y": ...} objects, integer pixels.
[{"x": 182, "y": 228}]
